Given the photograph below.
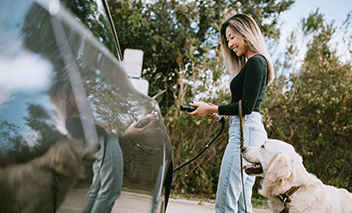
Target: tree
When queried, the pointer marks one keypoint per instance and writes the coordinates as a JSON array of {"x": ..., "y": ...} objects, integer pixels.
[
  {"x": 308, "y": 106},
  {"x": 176, "y": 36},
  {"x": 314, "y": 112},
  {"x": 180, "y": 40}
]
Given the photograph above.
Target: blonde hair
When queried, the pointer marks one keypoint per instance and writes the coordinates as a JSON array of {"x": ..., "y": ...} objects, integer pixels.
[
  {"x": 62, "y": 97},
  {"x": 254, "y": 39}
]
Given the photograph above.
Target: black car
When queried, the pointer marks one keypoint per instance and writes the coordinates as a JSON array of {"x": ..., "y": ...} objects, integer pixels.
[{"x": 65, "y": 97}]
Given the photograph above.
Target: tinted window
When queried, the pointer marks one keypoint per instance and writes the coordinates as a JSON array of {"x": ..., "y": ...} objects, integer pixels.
[{"x": 92, "y": 14}]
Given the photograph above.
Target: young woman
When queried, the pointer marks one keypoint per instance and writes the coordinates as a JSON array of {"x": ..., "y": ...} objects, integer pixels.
[{"x": 248, "y": 60}]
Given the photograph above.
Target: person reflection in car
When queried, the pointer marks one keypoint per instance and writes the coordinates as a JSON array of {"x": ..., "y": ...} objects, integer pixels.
[{"x": 108, "y": 165}]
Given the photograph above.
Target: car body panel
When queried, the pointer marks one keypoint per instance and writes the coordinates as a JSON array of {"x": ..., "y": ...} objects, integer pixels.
[{"x": 46, "y": 50}]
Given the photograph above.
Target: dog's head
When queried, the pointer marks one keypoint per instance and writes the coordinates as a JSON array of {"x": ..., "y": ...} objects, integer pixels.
[
  {"x": 65, "y": 158},
  {"x": 274, "y": 160}
]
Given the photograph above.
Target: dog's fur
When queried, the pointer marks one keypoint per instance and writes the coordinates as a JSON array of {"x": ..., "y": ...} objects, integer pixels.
[
  {"x": 30, "y": 187},
  {"x": 282, "y": 168}
]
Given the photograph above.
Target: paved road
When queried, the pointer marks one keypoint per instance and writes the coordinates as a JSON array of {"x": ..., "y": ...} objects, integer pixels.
[
  {"x": 73, "y": 204},
  {"x": 185, "y": 206}
]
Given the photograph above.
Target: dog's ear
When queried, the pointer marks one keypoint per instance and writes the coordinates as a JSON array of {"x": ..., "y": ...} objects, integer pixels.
[
  {"x": 62, "y": 159},
  {"x": 280, "y": 168}
]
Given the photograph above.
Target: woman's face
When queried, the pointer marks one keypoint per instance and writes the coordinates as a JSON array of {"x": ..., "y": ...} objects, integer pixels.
[{"x": 235, "y": 42}]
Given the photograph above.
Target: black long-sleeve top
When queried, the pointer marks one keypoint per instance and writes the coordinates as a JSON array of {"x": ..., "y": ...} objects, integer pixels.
[{"x": 248, "y": 85}]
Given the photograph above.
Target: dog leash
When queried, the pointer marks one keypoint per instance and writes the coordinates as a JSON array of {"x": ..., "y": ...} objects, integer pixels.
[{"x": 241, "y": 146}]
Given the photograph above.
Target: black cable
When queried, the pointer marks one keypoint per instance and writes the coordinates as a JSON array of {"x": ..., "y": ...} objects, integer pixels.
[{"x": 222, "y": 121}]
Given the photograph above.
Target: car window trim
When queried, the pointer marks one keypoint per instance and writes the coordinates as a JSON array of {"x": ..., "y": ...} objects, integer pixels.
[{"x": 107, "y": 11}]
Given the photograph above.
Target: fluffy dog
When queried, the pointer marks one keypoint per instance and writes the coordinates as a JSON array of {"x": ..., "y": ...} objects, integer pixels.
[
  {"x": 41, "y": 184},
  {"x": 288, "y": 185}
]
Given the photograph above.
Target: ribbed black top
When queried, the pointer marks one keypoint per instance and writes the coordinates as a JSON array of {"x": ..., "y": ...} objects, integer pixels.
[{"x": 248, "y": 85}]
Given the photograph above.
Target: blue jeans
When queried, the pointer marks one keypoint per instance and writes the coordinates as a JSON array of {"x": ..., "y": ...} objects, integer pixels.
[
  {"x": 107, "y": 180},
  {"x": 229, "y": 197}
]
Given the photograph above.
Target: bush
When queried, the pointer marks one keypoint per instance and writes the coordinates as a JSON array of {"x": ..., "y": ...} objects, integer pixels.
[
  {"x": 310, "y": 108},
  {"x": 315, "y": 114}
]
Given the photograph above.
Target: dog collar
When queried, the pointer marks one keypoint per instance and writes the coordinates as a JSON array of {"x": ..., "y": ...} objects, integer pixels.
[{"x": 285, "y": 197}]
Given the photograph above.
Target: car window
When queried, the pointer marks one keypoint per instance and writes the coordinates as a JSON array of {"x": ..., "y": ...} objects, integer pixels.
[{"x": 93, "y": 15}]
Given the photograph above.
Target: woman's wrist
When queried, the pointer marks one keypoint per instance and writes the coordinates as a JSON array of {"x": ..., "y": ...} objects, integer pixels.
[{"x": 214, "y": 109}]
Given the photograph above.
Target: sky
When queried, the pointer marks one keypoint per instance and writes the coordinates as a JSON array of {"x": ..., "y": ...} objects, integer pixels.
[
  {"x": 336, "y": 10},
  {"x": 332, "y": 9}
]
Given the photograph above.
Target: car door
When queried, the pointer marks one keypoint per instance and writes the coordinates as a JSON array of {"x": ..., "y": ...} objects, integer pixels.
[{"x": 59, "y": 61}]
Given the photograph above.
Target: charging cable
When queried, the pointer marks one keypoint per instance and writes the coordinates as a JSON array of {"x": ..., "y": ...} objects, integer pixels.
[{"x": 220, "y": 119}]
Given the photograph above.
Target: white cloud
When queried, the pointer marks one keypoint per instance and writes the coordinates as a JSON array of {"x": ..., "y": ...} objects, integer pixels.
[{"x": 24, "y": 71}]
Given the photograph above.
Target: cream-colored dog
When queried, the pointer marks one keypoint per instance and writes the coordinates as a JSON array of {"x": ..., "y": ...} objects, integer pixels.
[{"x": 288, "y": 185}]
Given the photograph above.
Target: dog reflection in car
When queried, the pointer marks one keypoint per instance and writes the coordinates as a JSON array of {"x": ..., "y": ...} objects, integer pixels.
[
  {"x": 288, "y": 185},
  {"x": 41, "y": 184}
]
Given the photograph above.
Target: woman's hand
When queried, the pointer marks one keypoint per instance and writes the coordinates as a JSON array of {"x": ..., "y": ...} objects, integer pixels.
[
  {"x": 204, "y": 110},
  {"x": 212, "y": 116}
]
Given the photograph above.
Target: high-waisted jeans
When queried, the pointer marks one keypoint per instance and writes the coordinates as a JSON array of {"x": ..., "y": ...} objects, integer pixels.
[
  {"x": 229, "y": 197},
  {"x": 107, "y": 180}
]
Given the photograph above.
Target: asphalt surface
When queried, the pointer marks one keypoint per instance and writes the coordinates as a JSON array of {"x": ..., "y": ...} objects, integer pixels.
[
  {"x": 127, "y": 204},
  {"x": 185, "y": 206}
]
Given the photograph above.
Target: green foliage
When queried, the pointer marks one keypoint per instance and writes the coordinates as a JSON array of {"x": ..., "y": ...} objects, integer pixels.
[
  {"x": 313, "y": 22},
  {"x": 309, "y": 107},
  {"x": 176, "y": 36},
  {"x": 190, "y": 135},
  {"x": 315, "y": 113}
]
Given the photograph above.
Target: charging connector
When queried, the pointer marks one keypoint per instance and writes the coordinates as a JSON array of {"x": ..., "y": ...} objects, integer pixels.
[{"x": 190, "y": 108}]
